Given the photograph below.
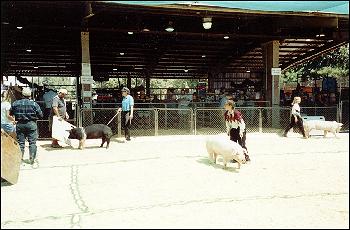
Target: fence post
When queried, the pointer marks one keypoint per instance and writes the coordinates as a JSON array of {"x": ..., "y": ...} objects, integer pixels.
[
  {"x": 340, "y": 112},
  {"x": 119, "y": 125},
  {"x": 260, "y": 121},
  {"x": 192, "y": 126},
  {"x": 156, "y": 122},
  {"x": 77, "y": 115},
  {"x": 195, "y": 121},
  {"x": 166, "y": 116}
]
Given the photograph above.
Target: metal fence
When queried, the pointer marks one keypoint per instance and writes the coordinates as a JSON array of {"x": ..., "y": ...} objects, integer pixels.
[
  {"x": 197, "y": 120},
  {"x": 344, "y": 114}
]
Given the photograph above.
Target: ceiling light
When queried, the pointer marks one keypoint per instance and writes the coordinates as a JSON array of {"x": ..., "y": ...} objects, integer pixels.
[
  {"x": 308, "y": 39},
  {"x": 29, "y": 50},
  {"x": 186, "y": 70},
  {"x": 170, "y": 27},
  {"x": 115, "y": 69},
  {"x": 207, "y": 23},
  {"x": 203, "y": 56},
  {"x": 248, "y": 71},
  {"x": 36, "y": 67},
  {"x": 121, "y": 53},
  {"x": 19, "y": 27},
  {"x": 5, "y": 23},
  {"x": 226, "y": 37},
  {"x": 130, "y": 32},
  {"x": 145, "y": 30},
  {"x": 320, "y": 35}
]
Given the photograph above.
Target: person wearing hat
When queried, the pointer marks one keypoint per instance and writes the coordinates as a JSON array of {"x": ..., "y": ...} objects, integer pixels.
[
  {"x": 127, "y": 110},
  {"x": 26, "y": 112},
  {"x": 235, "y": 125},
  {"x": 59, "y": 109}
]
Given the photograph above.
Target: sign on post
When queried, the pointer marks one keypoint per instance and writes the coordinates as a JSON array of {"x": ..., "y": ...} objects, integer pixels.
[
  {"x": 276, "y": 71},
  {"x": 86, "y": 79}
]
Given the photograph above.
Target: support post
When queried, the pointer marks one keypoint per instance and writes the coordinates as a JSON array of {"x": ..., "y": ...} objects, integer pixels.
[
  {"x": 86, "y": 80},
  {"x": 271, "y": 82}
]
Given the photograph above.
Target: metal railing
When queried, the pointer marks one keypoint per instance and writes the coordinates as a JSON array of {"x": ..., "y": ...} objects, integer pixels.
[{"x": 197, "y": 120}]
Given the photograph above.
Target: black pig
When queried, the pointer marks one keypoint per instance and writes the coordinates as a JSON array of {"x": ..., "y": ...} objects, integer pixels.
[{"x": 91, "y": 132}]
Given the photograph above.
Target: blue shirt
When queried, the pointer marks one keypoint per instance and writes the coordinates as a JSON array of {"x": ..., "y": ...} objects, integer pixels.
[
  {"x": 127, "y": 102},
  {"x": 26, "y": 110}
]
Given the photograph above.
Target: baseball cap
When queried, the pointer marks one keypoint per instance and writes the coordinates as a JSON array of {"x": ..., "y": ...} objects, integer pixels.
[
  {"x": 63, "y": 91},
  {"x": 125, "y": 89},
  {"x": 27, "y": 92}
]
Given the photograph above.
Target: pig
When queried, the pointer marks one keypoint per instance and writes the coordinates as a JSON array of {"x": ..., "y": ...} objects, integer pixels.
[
  {"x": 91, "y": 132},
  {"x": 229, "y": 150},
  {"x": 327, "y": 126}
]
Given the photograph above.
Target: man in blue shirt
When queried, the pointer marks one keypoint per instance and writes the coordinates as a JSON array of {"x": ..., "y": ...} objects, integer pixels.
[
  {"x": 127, "y": 110},
  {"x": 26, "y": 112}
]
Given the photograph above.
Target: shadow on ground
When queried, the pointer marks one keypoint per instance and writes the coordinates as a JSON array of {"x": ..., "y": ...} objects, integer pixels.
[
  {"x": 229, "y": 166},
  {"x": 48, "y": 147}
]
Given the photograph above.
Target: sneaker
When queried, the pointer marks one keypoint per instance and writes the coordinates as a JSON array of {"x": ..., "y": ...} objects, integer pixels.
[
  {"x": 35, "y": 164},
  {"x": 128, "y": 139},
  {"x": 56, "y": 146},
  {"x": 26, "y": 161}
]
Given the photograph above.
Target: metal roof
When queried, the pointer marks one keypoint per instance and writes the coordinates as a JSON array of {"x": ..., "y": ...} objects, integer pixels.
[
  {"x": 51, "y": 31},
  {"x": 339, "y": 7}
]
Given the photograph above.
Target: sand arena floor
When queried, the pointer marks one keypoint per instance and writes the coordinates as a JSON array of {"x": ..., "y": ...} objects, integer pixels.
[{"x": 169, "y": 182}]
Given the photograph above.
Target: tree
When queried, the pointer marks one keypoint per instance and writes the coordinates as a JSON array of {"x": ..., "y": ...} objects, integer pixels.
[{"x": 334, "y": 64}]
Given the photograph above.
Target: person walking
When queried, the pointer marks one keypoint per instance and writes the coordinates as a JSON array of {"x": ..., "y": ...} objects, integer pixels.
[
  {"x": 7, "y": 121},
  {"x": 235, "y": 125},
  {"x": 59, "y": 109},
  {"x": 127, "y": 110},
  {"x": 26, "y": 112},
  {"x": 295, "y": 118}
]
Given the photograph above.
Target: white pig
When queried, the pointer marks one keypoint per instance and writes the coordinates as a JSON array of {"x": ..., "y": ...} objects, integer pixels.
[
  {"x": 229, "y": 150},
  {"x": 327, "y": 126}
]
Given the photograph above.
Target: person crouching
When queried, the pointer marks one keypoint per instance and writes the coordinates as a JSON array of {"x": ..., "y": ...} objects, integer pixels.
[{"x": 235, "y": 125}]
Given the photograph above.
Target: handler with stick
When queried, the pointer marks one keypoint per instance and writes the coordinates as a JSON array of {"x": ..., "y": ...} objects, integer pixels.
[{"x": 127, "y": 110}]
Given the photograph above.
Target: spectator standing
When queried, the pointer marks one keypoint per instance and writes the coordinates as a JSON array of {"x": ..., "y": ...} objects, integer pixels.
[
  {"x": 48, "y": 97},
  {"x": 26, "y": 112},
  {"x": 7, "y": 121}
]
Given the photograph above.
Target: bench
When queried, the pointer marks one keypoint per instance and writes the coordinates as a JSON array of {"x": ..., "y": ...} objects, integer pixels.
[
  {"x": 309, "y": 118},
  {"x": 313, "y": 118}
]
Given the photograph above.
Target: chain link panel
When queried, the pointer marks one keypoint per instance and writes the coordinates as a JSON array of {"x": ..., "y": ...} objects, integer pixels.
[
  {"x": 199, "y": 121},
  {"x": 175, "y": 122}
]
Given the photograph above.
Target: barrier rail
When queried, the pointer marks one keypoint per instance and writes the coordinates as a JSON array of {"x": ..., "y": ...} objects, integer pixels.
[{"x": 197, "y": 121}]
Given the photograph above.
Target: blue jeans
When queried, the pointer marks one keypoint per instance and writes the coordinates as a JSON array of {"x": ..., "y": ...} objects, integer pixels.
[{"x": 29, "y": 131}]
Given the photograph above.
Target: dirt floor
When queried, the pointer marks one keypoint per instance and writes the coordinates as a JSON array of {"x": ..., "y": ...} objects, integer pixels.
[{"x": 169, "y": 182}]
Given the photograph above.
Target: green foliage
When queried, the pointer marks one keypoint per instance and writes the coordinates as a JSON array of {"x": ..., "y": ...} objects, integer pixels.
[
  {"x": 173, "y": 83},
  {"x": 334, "y": 64}
]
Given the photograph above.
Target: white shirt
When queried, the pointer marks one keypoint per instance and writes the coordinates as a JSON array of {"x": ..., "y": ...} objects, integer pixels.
[
  {"x": 5, "y": 106},
  {"x": 296, "y": 110},
  {"x": 235, "y": 124}
]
